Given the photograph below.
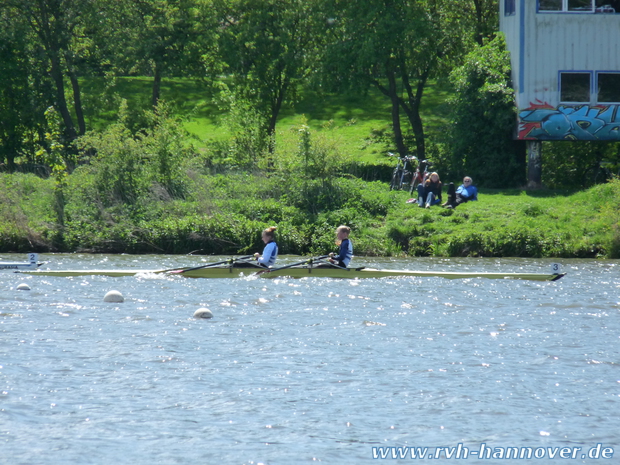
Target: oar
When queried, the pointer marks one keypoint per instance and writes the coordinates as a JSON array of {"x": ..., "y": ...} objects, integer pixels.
[
  {"x": 338, "y": 267},
  {"x": 305, "y": 262},
  {"x": 230, "y": 261}
]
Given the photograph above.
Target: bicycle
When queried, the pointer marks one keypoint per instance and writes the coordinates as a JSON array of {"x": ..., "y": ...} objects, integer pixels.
[
  {"x": 401, "y": 172},
  {"x": 420, "y": 174}
]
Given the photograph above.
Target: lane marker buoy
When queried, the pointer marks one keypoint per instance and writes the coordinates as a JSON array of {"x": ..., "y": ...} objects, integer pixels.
[
  {"x": 113, "y": 296},
  {"x": 23, "y": 287},
  {"x": 203, "y": 313}
]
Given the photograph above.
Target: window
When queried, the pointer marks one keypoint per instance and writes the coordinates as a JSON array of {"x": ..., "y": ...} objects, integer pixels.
[
  {"x": 607, "y": 6},
  {"x": 509, "y": 7},
  {"x": 580, "y": 5},
  {"x": 608, "y": 87},
  {"x": 575, "y": 87},
  {"x": 550, "y": 5},
  {"x": 574, "y": 6}
]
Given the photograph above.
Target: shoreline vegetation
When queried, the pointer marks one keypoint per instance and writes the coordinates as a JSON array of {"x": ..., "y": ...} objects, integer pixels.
[
  {"x": 163, "y": 182},
  {"x": 225, "y": 214}
]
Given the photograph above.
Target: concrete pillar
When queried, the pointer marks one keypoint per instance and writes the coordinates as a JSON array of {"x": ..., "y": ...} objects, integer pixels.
[{"x": 534, "y": 164}]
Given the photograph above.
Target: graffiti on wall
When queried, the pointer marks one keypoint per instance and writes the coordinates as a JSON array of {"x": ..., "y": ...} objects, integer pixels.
[{"x": 541, "y": 121}]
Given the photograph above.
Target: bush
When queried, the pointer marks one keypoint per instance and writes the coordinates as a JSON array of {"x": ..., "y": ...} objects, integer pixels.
[
  {"x": 480, "y": 136},
  {"x": 579, "y": 164}
]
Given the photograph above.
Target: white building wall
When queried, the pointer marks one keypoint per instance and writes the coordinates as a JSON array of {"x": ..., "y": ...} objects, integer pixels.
[
  {"x": 509, "y": 25},
  {"x": 544, "y": 44},
  {"x": 564, "y": 42}
]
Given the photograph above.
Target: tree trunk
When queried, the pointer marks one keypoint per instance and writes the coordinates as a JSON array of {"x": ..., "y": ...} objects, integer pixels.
[
  {"x": 77, "y": 99},
  {"x": 392, "y": 94},
  {"x": 398, "y": 133},
  {"x": 156, "y": 84},
  {"x": 479, "y": 22},
  {"x": 412, "y": 109},
  {"x": 61, "y": 102},
  {"x": 276, "y": 106}
]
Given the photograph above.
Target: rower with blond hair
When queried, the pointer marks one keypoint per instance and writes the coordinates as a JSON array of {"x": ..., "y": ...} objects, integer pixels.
[
  {"x": 270, "y": 252},
  {"x": 345, "y": 251}
]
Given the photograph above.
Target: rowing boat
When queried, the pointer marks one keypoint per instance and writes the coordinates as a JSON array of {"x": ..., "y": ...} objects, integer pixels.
[
  {"x": 303, "y": 272},
  {"x": 358, "y": 273},
  {"x": 31, "y": 264},
  {"x": 354, "y": 273}
]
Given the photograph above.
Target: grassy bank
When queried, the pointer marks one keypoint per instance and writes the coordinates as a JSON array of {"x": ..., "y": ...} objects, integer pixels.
[
  {"x": 353, "y": 121},
  {"x": 154, "y": 188},
  {"x": 516, "y": 224},
  {"x": 225, "y": 214}
]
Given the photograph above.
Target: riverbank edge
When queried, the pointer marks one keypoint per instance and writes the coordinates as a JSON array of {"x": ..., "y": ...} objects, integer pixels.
[{"x": 503, "y": 223}]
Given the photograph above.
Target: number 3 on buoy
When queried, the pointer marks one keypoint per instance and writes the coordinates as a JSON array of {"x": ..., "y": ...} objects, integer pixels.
[{"x": 555, "y": 268}]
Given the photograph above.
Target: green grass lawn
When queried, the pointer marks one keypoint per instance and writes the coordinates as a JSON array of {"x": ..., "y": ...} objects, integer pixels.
[
  {"x": 512, "y": 223},
  {"x": 347, "y": 120}
]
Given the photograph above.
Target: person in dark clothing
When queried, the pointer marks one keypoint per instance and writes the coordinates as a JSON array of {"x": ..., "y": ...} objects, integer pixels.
[
  {"x": 466, "y": 192},
  {"x": 429, "y": 193}
]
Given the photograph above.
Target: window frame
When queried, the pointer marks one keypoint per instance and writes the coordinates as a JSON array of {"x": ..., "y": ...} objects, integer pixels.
[
  {"x": 597, "y": 77},
  {"x": 591, "y": 90},
  {"x": 565, "y": 8}
]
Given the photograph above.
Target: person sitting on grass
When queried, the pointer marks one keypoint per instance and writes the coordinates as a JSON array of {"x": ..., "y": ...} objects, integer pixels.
[
  {"x": 429, "y": 193},
  {"x": 466, "y": 192}
]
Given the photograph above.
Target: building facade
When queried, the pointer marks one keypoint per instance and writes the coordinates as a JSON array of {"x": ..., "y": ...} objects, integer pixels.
[{"x": 565, "y": 57}]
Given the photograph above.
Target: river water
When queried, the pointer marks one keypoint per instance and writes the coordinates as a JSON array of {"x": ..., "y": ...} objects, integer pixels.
[{"x": 312, "y": 370}]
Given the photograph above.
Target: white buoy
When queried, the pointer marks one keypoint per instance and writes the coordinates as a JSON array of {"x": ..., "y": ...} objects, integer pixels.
[
  {"x": 203, "y": 313},
  {"x": 23, "y": 287},
  {"x": 113, "y": 296}
]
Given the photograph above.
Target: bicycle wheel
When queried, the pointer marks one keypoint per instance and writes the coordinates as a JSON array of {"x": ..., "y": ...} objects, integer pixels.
[
  {"x": 396, "y": 177},
  {"x": 414, "y": 185}
]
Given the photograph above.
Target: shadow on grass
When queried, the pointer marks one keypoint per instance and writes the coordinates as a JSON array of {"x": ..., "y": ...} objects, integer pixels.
[
  {"x": 537, "y": 193},
  {"x": 188, "y": 96}
]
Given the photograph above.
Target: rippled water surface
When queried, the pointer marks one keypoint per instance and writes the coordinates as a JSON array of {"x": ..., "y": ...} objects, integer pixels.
[{"x": 296, "y": 371}]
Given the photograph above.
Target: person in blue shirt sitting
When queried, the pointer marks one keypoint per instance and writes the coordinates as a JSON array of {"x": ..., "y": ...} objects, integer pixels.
[
  {"x": 466, "y": 192},
  {"x": 345, "y": 252},
  {"x": 270, "y": 252}
]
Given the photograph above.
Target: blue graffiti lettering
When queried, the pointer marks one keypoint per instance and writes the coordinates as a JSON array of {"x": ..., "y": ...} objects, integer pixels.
[{"x": 583, "y": 122}]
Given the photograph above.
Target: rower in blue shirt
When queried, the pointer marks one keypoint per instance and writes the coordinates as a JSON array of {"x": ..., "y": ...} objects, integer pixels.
[
  {"x": 345, "y": 253},
  {"x": 270, "y": 252}
]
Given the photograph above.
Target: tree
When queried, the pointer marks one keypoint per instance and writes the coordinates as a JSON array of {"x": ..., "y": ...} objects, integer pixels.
[
  {"x": 483, "y": 118},
  {"x": 14, "y": 91},
  {"x": 25, "y": 91},
  {"x": 483, "y": 13},
  {"x": 395, "y": 46},
  {"x": 57, "y": 26},
  {"x": 268, "y": 47},
  {"x": 157, "y": 37}
]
